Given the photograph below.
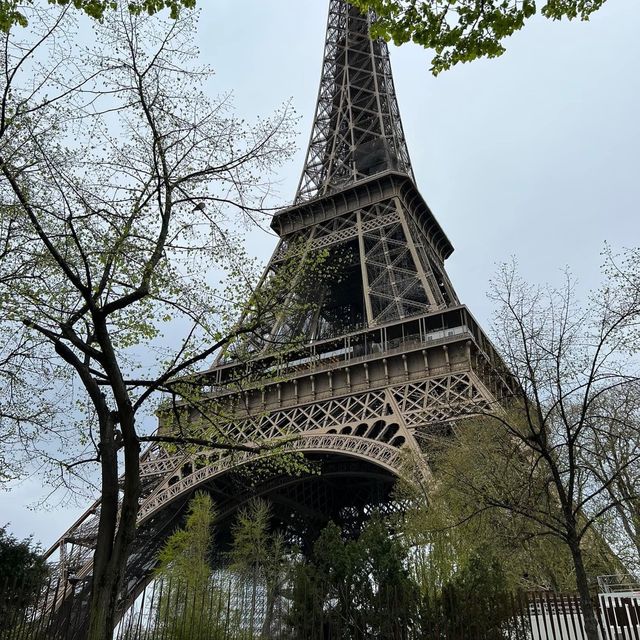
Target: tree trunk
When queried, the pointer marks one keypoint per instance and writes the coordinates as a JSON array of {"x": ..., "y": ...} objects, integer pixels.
[
  {"x": 254, "y": 589},
  {"x": 103, "y": 586},
  {"x": 103, "y": 607},
  {"x": 272, "y": 592},
  {"x": 589, "y": 615},
  {"x": 114, "y": 537}
]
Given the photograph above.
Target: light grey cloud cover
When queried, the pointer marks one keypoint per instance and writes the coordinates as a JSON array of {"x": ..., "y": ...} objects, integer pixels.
[{"x": 534, "y": 154}]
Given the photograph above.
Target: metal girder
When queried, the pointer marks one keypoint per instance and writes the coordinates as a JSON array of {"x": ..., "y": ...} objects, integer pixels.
[
  {"x": 382, "y": 265},
  {"x": 374, "y": 426}
]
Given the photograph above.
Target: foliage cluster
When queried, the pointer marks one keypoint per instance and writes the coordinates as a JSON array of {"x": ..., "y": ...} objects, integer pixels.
[
  {"x": 456, "y": 30},
  {"x": 463, "y": 30},
  {"x": 461, "y": 523},
  {"x": 354, "y": 588},
  {"x": 367, "y": 586},
  {"x": 14, "y": 12},
  {"x": 23, "y": 572}
]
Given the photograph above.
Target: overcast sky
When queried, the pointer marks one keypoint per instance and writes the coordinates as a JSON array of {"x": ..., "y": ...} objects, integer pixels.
[{"x": 533, "y": 155}]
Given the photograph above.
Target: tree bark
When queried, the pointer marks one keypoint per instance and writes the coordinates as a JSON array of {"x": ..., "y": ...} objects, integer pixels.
[
  {"x": 272, "y": 593},
  {"x": 588, "y": 612},
  {"x": 114, "y": 537},
  {"x": 103, "y": 605},
  {"x": 103, "y": 591}
]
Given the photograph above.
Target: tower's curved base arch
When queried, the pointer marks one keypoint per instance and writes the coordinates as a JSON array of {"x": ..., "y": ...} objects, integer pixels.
[{"x": 338, "y": 486}]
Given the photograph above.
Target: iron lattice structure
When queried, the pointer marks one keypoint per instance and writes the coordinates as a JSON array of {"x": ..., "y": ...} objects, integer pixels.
[
  {"x": 357, "y": 130},
  {"x": 385, "y": 357}
]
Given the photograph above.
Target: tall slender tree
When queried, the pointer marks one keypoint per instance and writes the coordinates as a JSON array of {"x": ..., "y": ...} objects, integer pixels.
[
  {"x": 191, "y": 606},
  {"x": 259, "y": 555}
]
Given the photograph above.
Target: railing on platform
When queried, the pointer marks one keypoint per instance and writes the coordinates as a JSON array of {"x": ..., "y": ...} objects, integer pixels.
[
  {"x": 618, "y": 583},
  {"x": 313, "y": 361}
]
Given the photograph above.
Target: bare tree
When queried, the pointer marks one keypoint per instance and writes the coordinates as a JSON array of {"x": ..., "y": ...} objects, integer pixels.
[
  {"x": 565, "y": 359},
  {"x": 127, "y": 185},
  {"x": 614, "y": 452},
  {"x": 613, "y": 456}
]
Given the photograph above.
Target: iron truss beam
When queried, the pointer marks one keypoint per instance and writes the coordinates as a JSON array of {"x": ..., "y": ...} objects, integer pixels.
[{"x": 357, "y": 130}]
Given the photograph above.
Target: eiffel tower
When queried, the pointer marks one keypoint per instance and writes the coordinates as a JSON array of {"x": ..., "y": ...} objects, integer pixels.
[{"x": 386, "y": 356}]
